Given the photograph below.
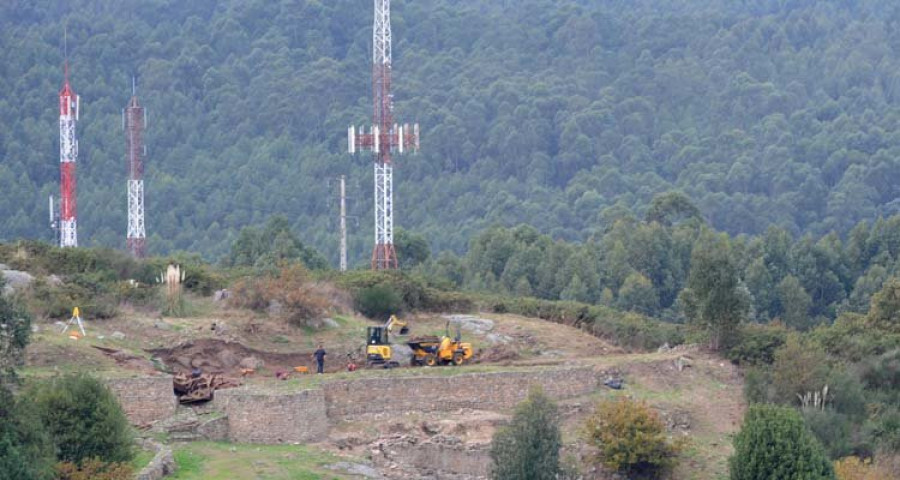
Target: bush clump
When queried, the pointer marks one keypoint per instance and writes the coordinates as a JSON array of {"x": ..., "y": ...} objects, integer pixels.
[
  {"x": 94, "y": 469},
  {"x": 378, "y": 301},
  {"x": 84, "y": 419},
  {"x": 855, "y": 468},
  {"x": 775, "y": 443},
  {"x": 26, "y": 452},
  {"x": 631, "y": 439},
  {"x": 528, "y": 448},
  {"x": 756, "y": 344},
  {"x": 291, "y": 295}
]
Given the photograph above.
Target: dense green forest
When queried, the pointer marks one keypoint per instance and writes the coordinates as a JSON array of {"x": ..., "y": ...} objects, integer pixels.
[
  {"x": 559, "y": 114},
  {"x": 644, "y": 266}
]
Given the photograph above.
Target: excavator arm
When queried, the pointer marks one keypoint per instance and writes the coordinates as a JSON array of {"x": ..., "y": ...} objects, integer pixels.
[{"x": 396, "y": 322}]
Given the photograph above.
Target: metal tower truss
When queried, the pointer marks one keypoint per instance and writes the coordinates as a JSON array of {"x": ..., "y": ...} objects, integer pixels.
[
  {"x": 133, "y": 121},
  {"x": 384, "y": 256},
  {"x": 136, "y": 240},
  {"x": 383, "y": 138},
  {"x": 68, "y": 154}
]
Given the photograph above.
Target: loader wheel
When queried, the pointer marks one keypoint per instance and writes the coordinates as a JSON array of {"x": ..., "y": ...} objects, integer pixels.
[
  {"x": 430, "y": 360},
  {"x": 458, "y": 359}
]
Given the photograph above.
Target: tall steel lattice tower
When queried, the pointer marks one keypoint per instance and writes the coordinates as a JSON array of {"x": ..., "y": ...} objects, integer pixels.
[
  {"x": 133, "y": 121},
  {"x": 383, "y": 138},
  {"x": 68, "y": 153}
]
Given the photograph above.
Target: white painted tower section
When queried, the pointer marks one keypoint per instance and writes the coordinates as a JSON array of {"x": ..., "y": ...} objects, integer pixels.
[{"x": 343, "y": 224}]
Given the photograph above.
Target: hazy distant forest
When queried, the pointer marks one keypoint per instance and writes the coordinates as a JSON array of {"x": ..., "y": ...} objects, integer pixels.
[{"x": 564, "y": 115}]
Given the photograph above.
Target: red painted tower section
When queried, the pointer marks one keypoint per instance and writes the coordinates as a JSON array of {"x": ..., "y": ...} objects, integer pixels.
[
  {"x": 68, "y": 154},
  {"x": 383, "y": 138}
]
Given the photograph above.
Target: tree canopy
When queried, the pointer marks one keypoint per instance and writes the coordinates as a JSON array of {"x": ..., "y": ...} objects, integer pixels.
[{"x": 556, "y": 113}]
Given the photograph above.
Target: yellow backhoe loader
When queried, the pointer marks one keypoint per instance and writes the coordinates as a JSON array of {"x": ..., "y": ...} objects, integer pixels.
[{"x": 378, "y": 344}]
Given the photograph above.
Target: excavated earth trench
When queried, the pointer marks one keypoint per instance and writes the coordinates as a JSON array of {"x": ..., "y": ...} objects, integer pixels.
[{"x": 218, "y": 356}]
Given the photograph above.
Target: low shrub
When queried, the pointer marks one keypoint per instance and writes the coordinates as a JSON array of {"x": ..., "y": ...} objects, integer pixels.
[
  {"x": 291, "y": 295},
  {"x": 855, "y": 468},
  {"x": 95, "y": 299},
  {"x": 199, "y": 277},
  {"x": 835, "y": 431},
  {"x": 15, "y": 333},
  {"x": 758, "y": 385},
  {"x": 94, "y": 469},
  {"x": 885, "y": 429},
  {"x": 882, "y": 372},
  {"x": 756, "y": 344},
  {"x": 852, "y": 338},
  {"x": 630, "y": 330},
  {"x": 631, "y": 439},
  {"x": 378, "y": 301},
  {"x": 83, "y": 418}
]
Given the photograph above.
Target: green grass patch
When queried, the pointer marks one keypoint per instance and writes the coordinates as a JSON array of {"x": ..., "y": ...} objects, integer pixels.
[
  {"x": 225, "y": 461},
  {"x": 141, "y": 459},
  {"x": 190, "y": 464}
]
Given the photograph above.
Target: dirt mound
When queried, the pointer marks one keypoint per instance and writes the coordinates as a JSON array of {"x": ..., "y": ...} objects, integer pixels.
[
  {"x": 502, "y": 354},
  {"x": 219, "y": 356},
  {"x": 127, "y": 360}
]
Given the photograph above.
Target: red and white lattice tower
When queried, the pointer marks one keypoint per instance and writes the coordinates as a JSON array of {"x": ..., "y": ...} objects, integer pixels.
[
  {"x": 383, "y": 138},
  {"x": 133, "y": 121},
  {"x": 68, "y": 153}
]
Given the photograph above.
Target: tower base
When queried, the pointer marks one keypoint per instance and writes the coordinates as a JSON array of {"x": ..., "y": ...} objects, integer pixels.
[{"x": 384, "y": 257}]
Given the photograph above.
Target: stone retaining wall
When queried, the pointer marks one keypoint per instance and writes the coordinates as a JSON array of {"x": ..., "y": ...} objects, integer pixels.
[
  {"x": 162, "y": 464},
  {"x": 497, "y": 391},
  {"x": 435, "y": 459},
  {"x": 255, "y": 417},
  {"x": 144, "y": 399}
]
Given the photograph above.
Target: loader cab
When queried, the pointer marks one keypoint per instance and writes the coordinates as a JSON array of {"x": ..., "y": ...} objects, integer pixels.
[
  {"x": 378, "y": 348},
  {"x": 377, "y": 336}
]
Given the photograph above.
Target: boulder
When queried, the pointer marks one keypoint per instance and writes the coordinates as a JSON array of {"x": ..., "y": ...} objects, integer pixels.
[
  {"x": 15, "y": 280},
  {"x": 471, "y": 323},
  {"x": 330, "y": 323},
  {"x": 228, "y": 358},
  {"x": 251, "y": 362}
]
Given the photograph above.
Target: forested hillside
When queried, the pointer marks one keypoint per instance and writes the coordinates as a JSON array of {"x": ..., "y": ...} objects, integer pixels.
[{"x": 559, "y": 114}]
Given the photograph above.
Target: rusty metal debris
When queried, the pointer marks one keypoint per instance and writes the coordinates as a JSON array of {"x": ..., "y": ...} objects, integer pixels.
[{"x": 192, "y": 389}]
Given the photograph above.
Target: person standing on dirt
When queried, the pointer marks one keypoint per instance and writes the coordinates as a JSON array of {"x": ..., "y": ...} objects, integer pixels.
[{"x": 320, "y": 359}]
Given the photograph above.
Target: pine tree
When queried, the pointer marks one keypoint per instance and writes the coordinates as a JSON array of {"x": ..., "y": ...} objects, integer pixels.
[
  {"x": 25, "y": 450},
  {"x": 83, "y": 419},
  {"x": 528, "y": 448},
  {"x": 714, "y": 299},
  {"x": 15, "y": 329},
  {"x": 774, "y": 443}
]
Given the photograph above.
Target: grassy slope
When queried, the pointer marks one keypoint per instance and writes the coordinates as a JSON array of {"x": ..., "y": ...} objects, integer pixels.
[
  {"x": 709, "y": 392},
  {"x": 223, "y": 461}
]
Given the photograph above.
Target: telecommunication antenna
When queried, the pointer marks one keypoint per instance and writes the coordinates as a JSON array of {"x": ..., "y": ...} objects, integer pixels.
[
  {"x": 343, "y": 224},
  {"x": 343, "y": 217},
  {"x": 383, "y": 137},
  {"x": 54, "y": 220},
  {"x": 134, "y": 119},
  {"x": 68, "y": 154}
]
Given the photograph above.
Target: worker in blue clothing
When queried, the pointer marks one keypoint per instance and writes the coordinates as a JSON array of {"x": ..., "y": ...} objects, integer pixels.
[{"x": 320, "y": 359}]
